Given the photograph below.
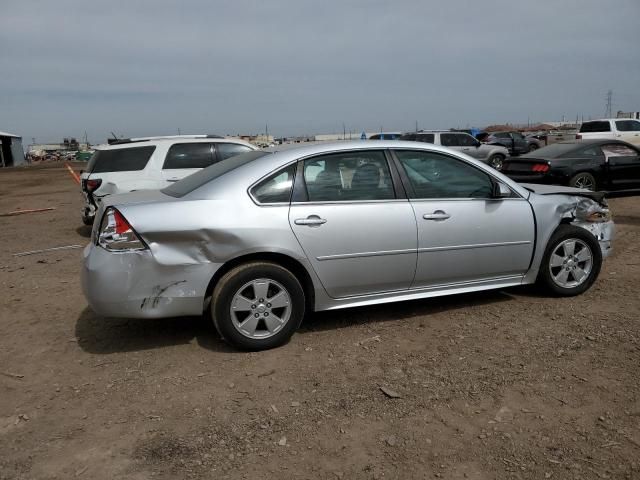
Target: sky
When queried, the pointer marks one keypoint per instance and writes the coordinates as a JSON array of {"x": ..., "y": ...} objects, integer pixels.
[{"x": 299, "y": 67}]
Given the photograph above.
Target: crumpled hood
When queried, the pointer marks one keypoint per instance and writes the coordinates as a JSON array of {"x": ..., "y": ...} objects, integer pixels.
[{"x": 560, "y": 190}]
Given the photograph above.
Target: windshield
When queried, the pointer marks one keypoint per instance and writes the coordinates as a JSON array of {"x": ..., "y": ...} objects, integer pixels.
[
  {"x": 198, "y": 179},
  {"x": 552, "y": 151}
]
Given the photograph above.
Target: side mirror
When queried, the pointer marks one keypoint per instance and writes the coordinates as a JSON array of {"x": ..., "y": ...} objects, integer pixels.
[
  {"x": 500, "y": 190},
  {"x": 478, "y": 143}
]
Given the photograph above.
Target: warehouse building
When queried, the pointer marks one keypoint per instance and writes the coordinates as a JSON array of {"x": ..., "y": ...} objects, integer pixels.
[{"x": 11, "y": 153}]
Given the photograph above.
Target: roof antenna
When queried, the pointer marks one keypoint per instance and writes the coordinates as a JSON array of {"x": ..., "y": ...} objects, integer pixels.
[{"x": 114, "y": 136}]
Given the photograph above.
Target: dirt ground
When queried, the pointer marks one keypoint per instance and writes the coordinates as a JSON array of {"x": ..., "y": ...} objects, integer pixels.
[{"x": 505, "y": 384}]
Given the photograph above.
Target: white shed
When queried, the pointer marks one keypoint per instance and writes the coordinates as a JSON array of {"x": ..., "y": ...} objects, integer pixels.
[{"x": 11, "y": 153}]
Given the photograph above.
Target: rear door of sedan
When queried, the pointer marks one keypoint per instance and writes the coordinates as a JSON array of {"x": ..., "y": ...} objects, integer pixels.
[
  {"x": 464, "y": 235},
  {"x": 623, "y": 165},
  {"x": 354, "y": 223}
]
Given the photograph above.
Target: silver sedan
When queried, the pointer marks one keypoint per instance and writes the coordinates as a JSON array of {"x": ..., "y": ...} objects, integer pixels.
[{"x": 257, "y": 240}]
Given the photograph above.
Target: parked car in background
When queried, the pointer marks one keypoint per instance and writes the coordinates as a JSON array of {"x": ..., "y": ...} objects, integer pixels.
[
  {"x": 493, "y": 155},
  {"x": 625, "y": 129},
  {"x": 535, "y": 142},
  {"x": 363, "y": 223},
  {"x": 601, "y": 164},
  {"x": 513, "y": 141},
  {"x": 385, "y": 136},
  {"x": 150, "y": 163}
]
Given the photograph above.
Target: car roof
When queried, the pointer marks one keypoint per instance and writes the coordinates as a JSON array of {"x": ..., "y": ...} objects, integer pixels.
[{"x": 280, "y": 157}]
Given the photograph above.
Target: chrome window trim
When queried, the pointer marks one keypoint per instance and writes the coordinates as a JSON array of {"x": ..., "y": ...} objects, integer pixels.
[{"x": 351, "y": 202}]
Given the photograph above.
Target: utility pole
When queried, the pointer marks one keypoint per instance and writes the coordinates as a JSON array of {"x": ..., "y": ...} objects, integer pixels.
[
  {"x": 416, "y": 126},
  {"x": 607, "y": 112},
  {"x": 344, "y": 132},
  {"x": 266, "y": 132}
]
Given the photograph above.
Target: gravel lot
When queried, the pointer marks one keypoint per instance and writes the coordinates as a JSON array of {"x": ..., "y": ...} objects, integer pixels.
[{"x": 505, "y": 384}]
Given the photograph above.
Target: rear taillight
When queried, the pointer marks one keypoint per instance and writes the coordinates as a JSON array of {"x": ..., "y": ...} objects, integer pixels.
[
  {"x": 578, "y": 136},
  {"x": 92, "y": 184},
  {"x": 540, "y": 168},
  {"x": 116, "y": 234}
]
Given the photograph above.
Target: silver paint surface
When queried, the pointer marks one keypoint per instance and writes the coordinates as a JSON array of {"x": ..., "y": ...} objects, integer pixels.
[{"x": 366, "y": 253}]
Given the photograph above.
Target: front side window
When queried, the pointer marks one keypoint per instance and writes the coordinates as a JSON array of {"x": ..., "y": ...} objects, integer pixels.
[
  {"x": 433, "y": 175},
  {"x": 627, "y": 125},
  {"x": 276, "y": 188},
  {"x": 618, "y": 150},
  {"x": 349, "y": 176},
  {"x": 226, "y": 150},
  {"x": 189, "y": 155}
]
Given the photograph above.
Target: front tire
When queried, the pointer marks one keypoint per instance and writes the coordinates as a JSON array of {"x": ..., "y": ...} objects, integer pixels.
[
  {"x": 571, "y": 262},
  {"x": 496, "y": 161},
  {"x": 257, "y": 306}
]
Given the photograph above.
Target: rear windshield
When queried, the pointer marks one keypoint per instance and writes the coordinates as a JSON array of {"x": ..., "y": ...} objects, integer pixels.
[
  {"x": 589, "y": 127},
  {"x": 120, "y": 160},
  {"x": 198, "y": 179},
  {"x": 552, "y": 151}
]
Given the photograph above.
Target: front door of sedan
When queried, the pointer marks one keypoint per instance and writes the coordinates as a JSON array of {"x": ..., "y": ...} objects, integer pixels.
[
  {"x": 464, "y": 235},
  {"x": 358, "y": 236},
  {"x": 623, "y": 165}
]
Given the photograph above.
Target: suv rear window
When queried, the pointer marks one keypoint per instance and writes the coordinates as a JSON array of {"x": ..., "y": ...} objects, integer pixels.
[
  {"x": 120, "y": 160},
  {"x": 418, "y": 137},
  {"x": 593, "y": 127}
]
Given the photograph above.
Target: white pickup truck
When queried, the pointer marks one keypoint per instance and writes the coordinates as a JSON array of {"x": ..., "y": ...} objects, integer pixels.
[{"x": 625, "y": 129}]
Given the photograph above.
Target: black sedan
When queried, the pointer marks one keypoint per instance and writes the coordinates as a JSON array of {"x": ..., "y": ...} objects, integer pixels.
[{"x": 603, "y": 164}]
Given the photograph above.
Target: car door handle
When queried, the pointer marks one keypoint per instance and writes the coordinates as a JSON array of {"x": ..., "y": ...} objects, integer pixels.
[
  {"x": 172, "y": 179},
  {"x": 311, "y": 221},
  {"x": 437, "y": 215}
]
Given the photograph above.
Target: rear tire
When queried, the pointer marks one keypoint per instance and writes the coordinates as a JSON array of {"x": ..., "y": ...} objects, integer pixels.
[
  {"x": 87, "y": 220},
  {"x": 583, "y": 180},
  {"x": 257, "y": 306},
  {"x": 571, "y": 262}
]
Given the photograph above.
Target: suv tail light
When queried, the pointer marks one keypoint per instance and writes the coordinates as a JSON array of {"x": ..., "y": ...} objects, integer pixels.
[
  {"x": 116, "y": 234},
  {"x": 540, "y": 168},
  {"x": 92, "y": 184},
  {"x": 578, "y": 136}
]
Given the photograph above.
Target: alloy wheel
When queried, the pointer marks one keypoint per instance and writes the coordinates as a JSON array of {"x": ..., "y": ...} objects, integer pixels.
[
  {"x": 260, "y": 308},
  {"x": 571, "y": 263},
  {"x": 584, "y": 181}
]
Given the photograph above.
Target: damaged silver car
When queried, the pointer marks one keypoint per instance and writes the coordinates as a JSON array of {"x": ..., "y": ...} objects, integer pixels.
[{"x": 259, "y": 241}]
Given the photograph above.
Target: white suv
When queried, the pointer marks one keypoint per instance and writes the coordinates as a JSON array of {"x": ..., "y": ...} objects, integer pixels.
[
  {"x": 625, "y": 129},
  {"x": 150, "y": 163},
  {"x": 493, "y": 155}
]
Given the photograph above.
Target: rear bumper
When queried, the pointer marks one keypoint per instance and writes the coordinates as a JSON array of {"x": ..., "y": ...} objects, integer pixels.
[{"x": 134, "y": 285}]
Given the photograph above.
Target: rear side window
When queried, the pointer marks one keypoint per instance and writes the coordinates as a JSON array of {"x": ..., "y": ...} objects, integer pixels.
[
  {"x": 276, "y": 188},
  {"x": 226, "y": 150},
  {"x": 594, "y": 127},
  {"x": 120, "y": 160},
  {"x": 189, "y": 155},
  {"x": 358, "y": 175},
  {"x": 425, "y": 137}
]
